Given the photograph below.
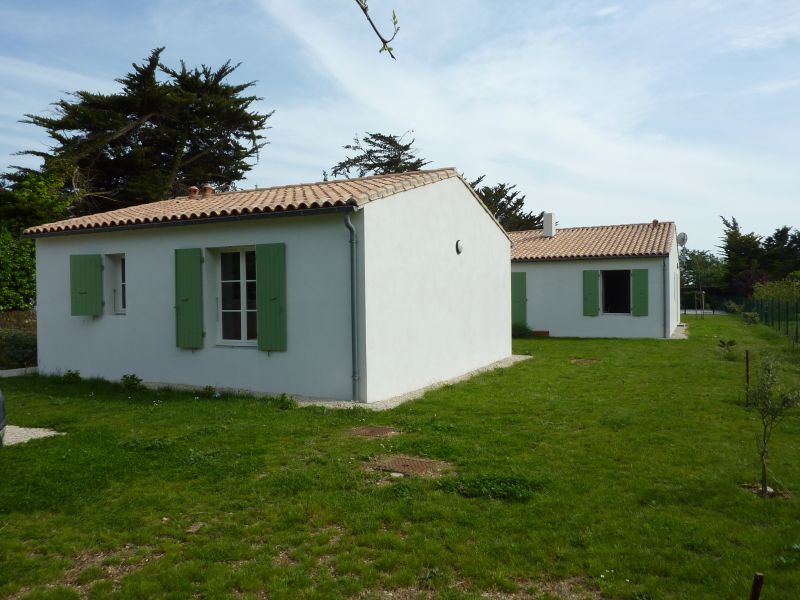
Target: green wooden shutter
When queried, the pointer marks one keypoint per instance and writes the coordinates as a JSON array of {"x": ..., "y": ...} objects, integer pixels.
[
  {"x": 519, "y": 300},
  {"x": 271, "y": 297},
  {"x": 639, "y": 285},
  {"x": 86, "y": 285},
  {"x": 591, "y": 293},
  {"x": 189, "y": 298}
]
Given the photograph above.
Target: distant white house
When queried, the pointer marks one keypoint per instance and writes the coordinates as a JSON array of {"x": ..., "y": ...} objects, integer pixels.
[
  {"x": 611, "y": 281},
  {"x": 361, "y": 289}
]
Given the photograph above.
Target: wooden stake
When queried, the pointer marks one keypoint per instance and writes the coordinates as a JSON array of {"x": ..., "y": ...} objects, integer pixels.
[{"x": 755, "y": 590}]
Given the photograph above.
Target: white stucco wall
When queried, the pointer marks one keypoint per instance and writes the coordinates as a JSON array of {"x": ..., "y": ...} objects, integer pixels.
[
  {"x": 675, "y": 287},
  {"x": 317, "y": 362},
  {"x": 555, "y": 299},
  {"x": 430, "y": 313}
]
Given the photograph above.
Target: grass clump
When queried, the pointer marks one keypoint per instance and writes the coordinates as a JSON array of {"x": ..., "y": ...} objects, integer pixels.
[{"x": 493, "y": 487}]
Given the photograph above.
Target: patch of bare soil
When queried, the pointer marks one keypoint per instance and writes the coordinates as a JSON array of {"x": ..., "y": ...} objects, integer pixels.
[
  {"x": 408, "y": 465},
  {"x": 571, "y": 588},
  {"x": 374, "y": 431},
  {"x": 584, "y": 361},
  {"x": 111, "y": 566},
  {"x": 283, "y": 559},
  {"x": 563, "y": 589}
]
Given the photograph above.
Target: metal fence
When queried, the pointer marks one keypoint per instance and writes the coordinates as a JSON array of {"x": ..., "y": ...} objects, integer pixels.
[{"x": 782, "y": 315}]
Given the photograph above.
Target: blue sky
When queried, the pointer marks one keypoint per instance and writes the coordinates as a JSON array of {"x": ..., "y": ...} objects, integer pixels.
[{"x": 601, "y": 112}]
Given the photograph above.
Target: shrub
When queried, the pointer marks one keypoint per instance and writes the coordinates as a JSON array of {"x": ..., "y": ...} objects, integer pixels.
[
  {"x": 71, "y": 376},
  {"x": 520, "y": 331},
  {"x": 17, "y": 272},
  {"x": 17, "y": 349},
  {"x": 732, "y": 307},
  {"x": 282, "y": 402},
  {"x": 750, "y": 318},
  {"x": 131, "y": 382}
]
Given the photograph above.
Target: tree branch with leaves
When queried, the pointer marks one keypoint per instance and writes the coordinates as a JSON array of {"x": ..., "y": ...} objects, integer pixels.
[{"x": 385, "y": 47}]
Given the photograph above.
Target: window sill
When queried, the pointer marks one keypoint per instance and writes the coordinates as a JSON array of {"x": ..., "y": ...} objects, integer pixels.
[{"x": 232, "y": 344}]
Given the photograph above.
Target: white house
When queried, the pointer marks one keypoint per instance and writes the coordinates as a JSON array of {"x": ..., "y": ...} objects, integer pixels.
[
  {"x": 611, "y": 281},
  {"x": 361, "y": 289}
]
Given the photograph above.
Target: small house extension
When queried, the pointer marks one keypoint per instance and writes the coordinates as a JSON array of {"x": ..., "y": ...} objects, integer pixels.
[{"x": 607, "y": 281}]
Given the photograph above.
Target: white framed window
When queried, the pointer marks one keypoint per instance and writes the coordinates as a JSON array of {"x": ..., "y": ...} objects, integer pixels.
[
  {"x": 236, "y": 296},
  {"x": 118, "y": 279}
]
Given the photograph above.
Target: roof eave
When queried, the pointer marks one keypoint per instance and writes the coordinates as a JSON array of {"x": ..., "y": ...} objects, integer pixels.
[
  {"x": 349, "y": 207},
  {"x": 593, "y": 257}
]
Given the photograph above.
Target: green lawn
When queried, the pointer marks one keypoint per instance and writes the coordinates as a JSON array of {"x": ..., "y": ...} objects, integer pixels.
[{"x": 617, "y": 478}]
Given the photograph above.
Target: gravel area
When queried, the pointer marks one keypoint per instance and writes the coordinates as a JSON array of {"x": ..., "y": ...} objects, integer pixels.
[
  {"x": 20, "y": 435},
  {"x": 398, "y": 400}
]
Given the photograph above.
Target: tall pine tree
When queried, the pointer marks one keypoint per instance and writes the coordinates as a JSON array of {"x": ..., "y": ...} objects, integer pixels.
[
  {"x": 165, "y": 130},
  {"x": 507, "y": 205}
]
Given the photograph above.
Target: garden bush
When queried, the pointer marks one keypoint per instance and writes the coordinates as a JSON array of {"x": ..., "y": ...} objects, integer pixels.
[{"x": 17, "y": 349}]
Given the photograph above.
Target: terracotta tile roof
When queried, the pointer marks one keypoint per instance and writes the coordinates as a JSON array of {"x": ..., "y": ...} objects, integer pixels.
[
  {"x": 607, "y": 241},
  {"x": 307, "y": 196}
]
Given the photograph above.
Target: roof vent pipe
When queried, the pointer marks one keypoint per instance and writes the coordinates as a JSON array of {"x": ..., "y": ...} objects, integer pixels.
[
  {"x": 208, "y": 189},
  {"x": 549, "y": 225},
  {"x": 193, "y": 191}
]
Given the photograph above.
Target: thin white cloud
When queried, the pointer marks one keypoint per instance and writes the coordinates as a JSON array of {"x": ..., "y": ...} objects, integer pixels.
[
  {"x": 776, "y": 86},
  {"x": 549, "y": 109},
  {"x": 608, "y": 11},
  {"x": 26, "y": 73}
]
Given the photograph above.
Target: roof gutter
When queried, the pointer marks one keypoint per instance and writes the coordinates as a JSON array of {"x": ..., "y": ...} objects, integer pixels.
[
  {"x": 354, "y": 350},
  {"x": 201, "y": 221}
]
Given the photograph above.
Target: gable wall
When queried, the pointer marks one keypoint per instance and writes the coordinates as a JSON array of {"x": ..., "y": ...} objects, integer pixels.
[
  {"x": 430, "y": 313},
  {"x": 317, "y": 362}
]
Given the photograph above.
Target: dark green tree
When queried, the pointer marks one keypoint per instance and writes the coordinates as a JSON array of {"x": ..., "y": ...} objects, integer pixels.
[
  {"x": 743, "y": 256},
  {"x": 379, "y": 154},
  {"x": 165, "y": 130},
  {"x": 507, "y": 204},
  {"x": 781, "y": 252},
  {"x": 700, "y": 269}
]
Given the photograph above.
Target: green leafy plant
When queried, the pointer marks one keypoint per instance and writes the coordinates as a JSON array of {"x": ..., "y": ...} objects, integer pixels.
[
  {"x": 727, "y": 348},
  {"x": 17, "y": 349},
  {"x": 131, "y": 382},
  {"x": 520, "y": 331},
  {"x": 732, "y": 307},
  {"x": 750, "y": 318},
  {"x": 772, "y": 404},
  {"x": 17, "y": 271},
  {"x": 282, "y": 402},
  {"x": 71, "y": 376}
]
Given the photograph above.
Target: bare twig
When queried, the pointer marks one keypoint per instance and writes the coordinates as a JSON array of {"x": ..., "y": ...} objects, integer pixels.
[{"x": 385, "y": 47}]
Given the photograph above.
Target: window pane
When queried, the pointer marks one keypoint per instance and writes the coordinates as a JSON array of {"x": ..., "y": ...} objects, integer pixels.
[
  {"x": 122, "y": 269},
  {"x": 124, "y": 300},
  {"x": 231, "y": 296},
  {"x": 250, "y": 264},
  {"x": 251, "y": 326},
  {"x": 251, "y": 295},
  {"x": 230, "y": 266},
  {"x": 617, "y": 291},
  {"x": 231, "y": 326}
]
